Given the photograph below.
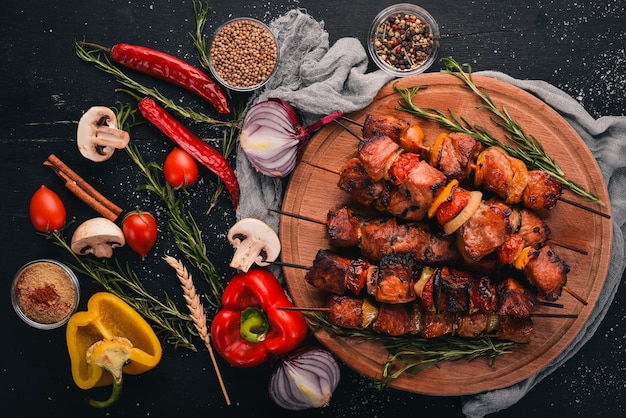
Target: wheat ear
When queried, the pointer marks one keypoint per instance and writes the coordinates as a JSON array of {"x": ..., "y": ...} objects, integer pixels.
[{"x": 197, "y": 313}]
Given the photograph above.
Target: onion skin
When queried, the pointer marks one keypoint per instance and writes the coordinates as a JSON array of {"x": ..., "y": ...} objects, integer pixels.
[
  {"x": 305, "y": 379},
  {"x": 272, "y": 134}
]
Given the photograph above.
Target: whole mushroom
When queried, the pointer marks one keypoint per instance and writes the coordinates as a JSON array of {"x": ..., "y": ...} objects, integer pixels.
[
  {"x": 97, "y": 136},
  {"x": 97, "y": 236},
  {"x": 254, "y": 242}
]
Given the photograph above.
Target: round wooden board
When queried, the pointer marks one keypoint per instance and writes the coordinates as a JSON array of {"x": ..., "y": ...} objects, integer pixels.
[{"x": 313, "y": 191}]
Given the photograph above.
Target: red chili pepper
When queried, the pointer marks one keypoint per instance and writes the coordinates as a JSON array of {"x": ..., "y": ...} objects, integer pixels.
[
  {"x": 200, "y": 150},
  {"x": 171, "y": 69},
  {"x": 251, "y": 327}
]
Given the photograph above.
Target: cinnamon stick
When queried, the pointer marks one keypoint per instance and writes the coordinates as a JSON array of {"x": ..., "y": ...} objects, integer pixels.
[{"x": 83, "y": 190}]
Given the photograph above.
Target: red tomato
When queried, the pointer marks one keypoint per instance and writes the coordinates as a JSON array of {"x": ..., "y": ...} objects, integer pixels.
[
  {"x": 140, "y": 231},
  {"x": 47, "y": 212},
  {"x": 180, "y": 168},
  {"x": 448, "y": 210}
]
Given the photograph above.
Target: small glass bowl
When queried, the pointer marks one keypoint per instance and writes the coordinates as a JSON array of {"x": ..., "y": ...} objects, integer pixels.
[
  {"x": 382, "y": 47},
  {"x": 243, "y": 54},
  {"x": 45, "y": 293}
]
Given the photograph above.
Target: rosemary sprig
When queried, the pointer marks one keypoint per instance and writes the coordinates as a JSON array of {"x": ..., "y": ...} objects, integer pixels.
[
  {"x": 177, "y": 327},
  {"x": 103, "y": 63},
  {"x": 201, "y": 11},
  {"x": 182, "y": 225},
  {"x": 414, "y": 354},
  {"x": 518, "y": 143}
]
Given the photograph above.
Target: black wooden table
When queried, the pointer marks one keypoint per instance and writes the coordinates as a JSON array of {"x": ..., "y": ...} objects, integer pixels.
[{"x": 45, "y": 88}]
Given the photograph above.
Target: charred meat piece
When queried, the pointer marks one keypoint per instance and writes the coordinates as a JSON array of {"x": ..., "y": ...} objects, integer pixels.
[
  {"x": 437, "y": 324},
  {"x": 353, "y": 178},
  {"x": 534, "y": 229},
  {"x": 457, "y": 154},
  {"x": 343, "y": 227},
  {"x": 455, "y": 285},
  {"x": 397, "y": 319},
  {"x": 498, "y": 172},
  {"x": 395, "y": 279},
  {"x": 401, "y": 167},
  {"x": 407, "y": 136},
  {"x": 514, "y": 299},
  {"x": 483, "y": 232},
  {"x": 422, "y": 184},
  {"x": 542, "y": 191},
  {"x": 385, "y": 236},
  {"x": 346, "y": 311},
  {"x": 336, "y": 274},
  {"x": 472, "y": 325},
  {"x": 547, "y": 272},
  {"x": 376, "y": 153}
]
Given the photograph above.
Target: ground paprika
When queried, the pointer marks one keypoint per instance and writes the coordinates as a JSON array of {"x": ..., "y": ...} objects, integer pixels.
[{"x": 251, "y": 326}]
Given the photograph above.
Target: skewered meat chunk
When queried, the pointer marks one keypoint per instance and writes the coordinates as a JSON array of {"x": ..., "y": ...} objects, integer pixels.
[
  {"x": 534, "y": 230},
  {"x": 409, "y": 137},
  {"x": 376, "y": 153},
  {"x": 514, "y": 299},
  {"x": 473, "y": 325},
  {"x": 337, "y": 274},
  {"x": 542, "y": 191},
  {"x": 346, "y": 311},
  {"x": 343, "y": 227},
  {"x": 385, "y": 236},
  {"x": 484, "y": 232},
  {"x": 455, "y": 285},
  {"x": 483, "y": 296},
  {"x": 456, "y": 155},
  {"x": 397, "y": 319},
  {"x": 354, "y": 179},
  {"x": 422, "y": 184},
  {"x": 395, "y": 278},
  {"x": 547, "y": 272},
  {"x": 498, "y": 172}
]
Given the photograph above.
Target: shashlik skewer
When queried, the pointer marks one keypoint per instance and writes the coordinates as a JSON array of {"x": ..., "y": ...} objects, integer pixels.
[
  {"x": 411, "y": 319},
  {"x": 399, "y": 279}
]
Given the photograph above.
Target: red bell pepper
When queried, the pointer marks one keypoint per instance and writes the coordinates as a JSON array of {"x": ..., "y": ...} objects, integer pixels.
[{"x": 251, "y": 327}]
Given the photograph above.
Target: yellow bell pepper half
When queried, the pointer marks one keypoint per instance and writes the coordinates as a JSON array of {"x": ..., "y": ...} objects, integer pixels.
[{"x": 109, "y": 327}]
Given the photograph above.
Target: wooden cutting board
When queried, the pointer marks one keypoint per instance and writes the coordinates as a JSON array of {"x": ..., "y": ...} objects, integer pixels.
[{"x": 312, "y": 191}]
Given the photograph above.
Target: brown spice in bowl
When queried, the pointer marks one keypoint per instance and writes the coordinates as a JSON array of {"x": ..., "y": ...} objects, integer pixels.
[
  {"x": 45, "y": 293},
  {"x": 243, "y": 53}
]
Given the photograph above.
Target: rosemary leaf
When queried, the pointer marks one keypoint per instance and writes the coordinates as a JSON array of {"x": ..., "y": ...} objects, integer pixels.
[
  {"x": 412, "y": 354},
  {"x": 517, "y": 142}
]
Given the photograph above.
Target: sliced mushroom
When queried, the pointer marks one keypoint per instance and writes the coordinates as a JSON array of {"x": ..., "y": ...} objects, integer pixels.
[
  {"x": 97, "y": 136},
  {"x": 255, "y": 242},
  {"x": 97, "y": 236}
]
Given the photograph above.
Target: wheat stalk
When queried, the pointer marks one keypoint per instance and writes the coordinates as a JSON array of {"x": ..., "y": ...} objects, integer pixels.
[{"x": 197, "y": 313}]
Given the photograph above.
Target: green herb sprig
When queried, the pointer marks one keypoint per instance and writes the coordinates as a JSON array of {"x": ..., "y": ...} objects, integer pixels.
[
  {"x": 414, "y": 354},
  {"x": 177, "y": 327},
  {"x": 518, "y": 143},
  {"x": 182, "y": 225}
]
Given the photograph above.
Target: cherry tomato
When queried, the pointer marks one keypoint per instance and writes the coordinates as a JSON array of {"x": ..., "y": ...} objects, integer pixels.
[
  {"x": 180, "y": 168},
  {"x": 140, "y": 231},
  {"x": 448, "y": 210},
  {"x": 47, "y": 212}
]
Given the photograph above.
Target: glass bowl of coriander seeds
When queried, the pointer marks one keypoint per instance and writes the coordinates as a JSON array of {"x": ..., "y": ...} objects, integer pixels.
[
  {"x": 243, "y": 54},
  {"x": 45, "y": 293},
  {"x": 404, "y": 40}
]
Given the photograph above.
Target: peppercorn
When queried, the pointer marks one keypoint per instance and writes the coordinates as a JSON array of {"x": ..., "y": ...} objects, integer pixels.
[{"x": 243, "y": 54}]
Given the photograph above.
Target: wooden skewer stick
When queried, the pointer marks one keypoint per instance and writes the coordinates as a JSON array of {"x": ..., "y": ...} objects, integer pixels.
[
  {"x": 575, "y": 295},
  {"x": 297, "y": 216}
]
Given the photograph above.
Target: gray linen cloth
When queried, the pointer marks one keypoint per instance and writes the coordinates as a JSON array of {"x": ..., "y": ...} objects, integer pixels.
[{"x": 318, "y": 79}]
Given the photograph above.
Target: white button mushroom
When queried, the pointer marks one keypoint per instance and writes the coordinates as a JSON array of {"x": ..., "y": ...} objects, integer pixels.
[
  {"x": 255, "y": 242},
  {"x": 97, "y": 236},
  {"x": 97, "y": 136}
]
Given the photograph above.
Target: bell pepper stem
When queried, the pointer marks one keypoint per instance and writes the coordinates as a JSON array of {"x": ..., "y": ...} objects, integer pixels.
[
  {"x": 115, "y": 395},
  {"x": 254, "y": 325}
]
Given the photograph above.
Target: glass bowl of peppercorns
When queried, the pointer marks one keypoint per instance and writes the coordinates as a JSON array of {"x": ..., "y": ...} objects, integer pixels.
[
  {"x": 404, "y": 40},
  {"x": 243, "y": 54},
  {"x": 45, "y": 293}
]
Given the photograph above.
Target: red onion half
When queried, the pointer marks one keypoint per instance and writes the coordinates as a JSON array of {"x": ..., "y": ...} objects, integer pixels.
[
  {"x": 272, "y": 134},
  {"x": 306, "y": 379}
]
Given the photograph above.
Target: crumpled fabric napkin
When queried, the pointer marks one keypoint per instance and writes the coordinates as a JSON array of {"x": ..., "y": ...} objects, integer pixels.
[
  {"x": 319, "y": 79},
  {"x": 606, "y": 138}
]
